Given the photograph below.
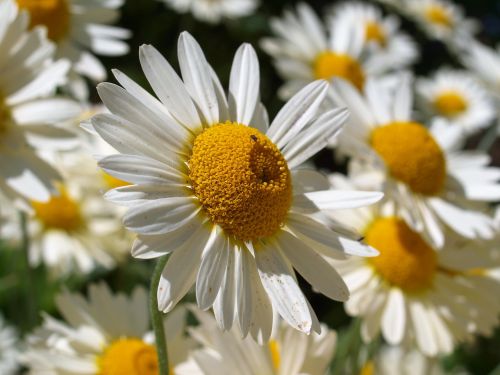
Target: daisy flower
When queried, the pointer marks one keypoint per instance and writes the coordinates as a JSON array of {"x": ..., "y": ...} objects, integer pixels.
[
  {"x": 76, "y": 229},
  {"x": 28, "y": 109},
  {"x": 9, "y": 355},
  {"x": 433, "y": 182},
  {"x": 458, "y": 97},
  {"x": 484, "y": 62},
  {"x": 104, "y": 334},
  {"x": 213, "y": 11},
  {"x": 392, "y": 48},
  {"x": 218, "y": 188},
  {"x": 80, "y": 29},
  {"x": 440, "y": 19},
  {"x": 413, "y": 293},
  {"x": 289, "y": 352},
  {"x": 303, "y": 51}
]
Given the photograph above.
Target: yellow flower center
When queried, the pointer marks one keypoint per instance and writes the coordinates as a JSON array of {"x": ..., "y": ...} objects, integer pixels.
[
  {"x": 411, "y": 155},
  {"x": 450, "y": 103},
  {"x": 60, "y": 212},
  {"x": 274, "y": 350},
  {"x": 241, "y": 179},
  {"x": 129, "y": 357},
  {"x": 375, "y": 33},
  {"x": 113, "y": 182},
  {"x": 405, "y": 260},
  {"x": 368, "y": 369},
  {"x": 54, "y": 14},
  {"x": 329, "y": 64},
  {"x": 439, "y": 15}
]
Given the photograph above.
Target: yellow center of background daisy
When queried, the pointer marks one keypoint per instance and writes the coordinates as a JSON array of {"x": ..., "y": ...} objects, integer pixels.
[
  {"x": 241, "y": 179},
  {"x": 113, "y": 182},
  {"x": 329, "y": 64},
  {"x": 274, "y": 350},
  {"x": 450, "y": 103},
  {"x": 411, "y": 155},
  {"x": 405, "y": 260},
  {"x": 129, "y": 357},
  {"x": 54, "y": 14},
  {"x": 375, "y": 33},
  {"x": 368, "y": 369},
  {"x": 438, "y": 15},
  {"x": 60, "y": 212}
]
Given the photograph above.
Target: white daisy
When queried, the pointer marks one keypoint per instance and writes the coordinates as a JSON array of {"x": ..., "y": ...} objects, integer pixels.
[
  {"x": 105, "y": 334},
  {"x": 392, "y": 48},
  {"x": 484, "y": 62},
  {"x": 424, "y": 171},
  {"x": 303, "y": 51},
  {"x": 440, "y": 19},
  {"x": 213, "y": 11},
  {"x": 414, "y": 294},
  {"x": 76, "y": 230},
  {"x": 80, "y": 29},
  {"x": 9, "y": 353},
  {"x": 458, "y": 97},
  {"x": 28, "y": 109},
  {"x": 289, "y": 352},
  {"x": 217, "y": 187}
]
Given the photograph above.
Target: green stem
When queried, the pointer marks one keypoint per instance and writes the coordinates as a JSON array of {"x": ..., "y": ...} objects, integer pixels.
[
  {"x": 30, "y": 292},
  {"x": 157, "y": 317},
  {"x": 348, "y": 348}
]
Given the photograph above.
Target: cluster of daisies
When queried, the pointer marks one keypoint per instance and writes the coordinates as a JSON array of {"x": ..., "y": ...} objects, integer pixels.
[{"x": 229, "y": 201}]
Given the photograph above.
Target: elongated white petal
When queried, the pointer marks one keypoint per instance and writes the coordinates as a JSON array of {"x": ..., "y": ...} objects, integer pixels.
[
  {"x": 134, "y": 195},
  {"x": 280, "y": 285},
  {"x": 321, "y": 275},
  {"x": 297, "y": 113},
  {"x": 244, "y": 291},
  {"x": 244, "y": 84},
  {"x": 197, "y": 77},
  {"x": 313, "y": 139},
  {"x": 160, "y": 215},
  {"x": 168, "y": 87},
  {"x": 138, "y": 169},
  {"x": 341, "y": 199},
  {"x": 180, "y": 272},
  {"x": 224, "y": 307},
  {"x": 212, "y": 269},
  {"x": 394, "y": 317}
]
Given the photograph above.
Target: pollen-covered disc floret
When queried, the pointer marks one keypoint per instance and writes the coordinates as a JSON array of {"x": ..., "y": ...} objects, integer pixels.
[
  {"x": 60, "y": 212},
  {"x": 411, "y": 155},
  {"x": 375, "y": 33},
  {"x": 129, "y": 356},
  {"x": 330, "y": 64},
  {"x": 405, "y": 260},
  {"x": 54, "y": 14},
  {"x": 241, "y": 179}
]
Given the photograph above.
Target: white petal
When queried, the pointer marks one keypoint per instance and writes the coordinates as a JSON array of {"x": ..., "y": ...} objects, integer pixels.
[
  {"x": 197, "y": 77},
  {"x": 313, "y": 139},
  {"x": 341, "y": 199},
  {"x": 212, "y": 269},
  {"x": 321, "y": 275},
  {"x": 394, "y": 317},
  {"x": 297, "y": 113},
  {"x": 244, "y": 84},
  {"x": 161, "y": 215},
  {"x": 168, "y": 87},
  {"x": 180, "y": 272},
  {"x": 282, "y": 288}
]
